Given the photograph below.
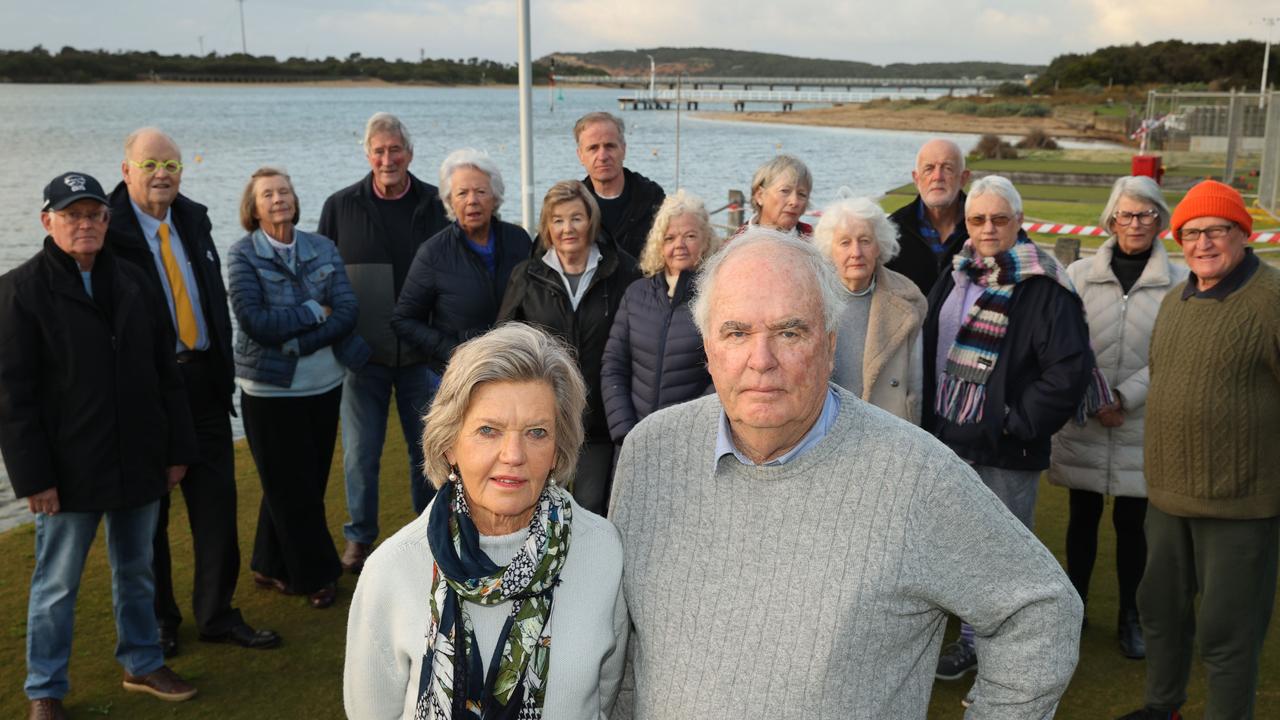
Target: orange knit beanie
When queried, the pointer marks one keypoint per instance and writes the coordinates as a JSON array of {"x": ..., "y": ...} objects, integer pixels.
[{"x": 1210, "y": 198}]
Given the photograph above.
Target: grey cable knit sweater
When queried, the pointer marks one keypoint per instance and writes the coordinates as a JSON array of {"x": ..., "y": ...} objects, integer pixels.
[{"x": 820, "y": 588}]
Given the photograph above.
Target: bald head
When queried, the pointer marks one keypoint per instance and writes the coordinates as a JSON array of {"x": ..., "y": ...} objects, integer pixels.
[
  {"x": 152, "y": 186},
  {"x": 940, "y": 173}
]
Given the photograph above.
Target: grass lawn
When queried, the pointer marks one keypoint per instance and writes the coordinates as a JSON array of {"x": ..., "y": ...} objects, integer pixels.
[{"x": 303, "y": 679}]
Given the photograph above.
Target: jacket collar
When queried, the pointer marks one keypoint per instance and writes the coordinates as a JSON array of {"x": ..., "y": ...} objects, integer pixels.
[
  {"x": 1155, "y": 274},
  {"x": 302, "y": 244},
  {"x": 897, "y": 311}
]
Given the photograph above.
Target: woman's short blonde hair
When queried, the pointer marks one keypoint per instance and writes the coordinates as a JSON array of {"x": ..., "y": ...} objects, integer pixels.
[
  {"x": 248, "y": 203},
  {"x": 512, "y": 352},
  {"x": 563, "y": 192},
  {"x": 682, "y": 203}
]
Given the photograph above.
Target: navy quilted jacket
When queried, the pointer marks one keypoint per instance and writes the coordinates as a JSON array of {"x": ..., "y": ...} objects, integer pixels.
[{"x": 654, "y": 357}]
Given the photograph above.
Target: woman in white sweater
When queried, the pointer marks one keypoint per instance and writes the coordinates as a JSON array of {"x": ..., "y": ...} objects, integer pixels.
[
  {"x": 503, "y": 599},
  {"x": 1121, "y": 286}
]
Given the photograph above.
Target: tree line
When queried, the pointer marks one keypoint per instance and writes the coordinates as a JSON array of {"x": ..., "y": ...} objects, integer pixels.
[
  {"x": 1216, "y": 66},
  {"x": 70, "y": 65}
]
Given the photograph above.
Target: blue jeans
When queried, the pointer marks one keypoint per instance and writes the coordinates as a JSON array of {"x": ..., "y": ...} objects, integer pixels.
[
  {"x": 366, "y": 400},
  {"x": 62, "y": 542},
  {"x": 1017, "y": 489}
]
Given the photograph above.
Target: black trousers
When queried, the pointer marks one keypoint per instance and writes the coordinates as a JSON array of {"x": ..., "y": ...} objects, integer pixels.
[
  {"x": 209, "y": 490},
  {"x": 1127, "y": 516},
  {"x": 292, "y": 441}
]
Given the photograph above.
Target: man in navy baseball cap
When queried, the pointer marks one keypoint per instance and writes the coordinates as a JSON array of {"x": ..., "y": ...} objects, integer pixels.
[{"x": 71, "y": 187}]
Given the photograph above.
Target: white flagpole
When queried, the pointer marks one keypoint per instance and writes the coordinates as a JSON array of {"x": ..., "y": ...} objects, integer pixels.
[{"x": 526, "y": 119}]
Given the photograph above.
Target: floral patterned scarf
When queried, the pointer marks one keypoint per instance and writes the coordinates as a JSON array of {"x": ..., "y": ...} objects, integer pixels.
[{"x": 453, "y": 684}]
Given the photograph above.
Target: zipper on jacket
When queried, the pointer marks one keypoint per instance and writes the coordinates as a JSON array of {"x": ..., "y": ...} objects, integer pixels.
[{"x": 1111, "y": 432}]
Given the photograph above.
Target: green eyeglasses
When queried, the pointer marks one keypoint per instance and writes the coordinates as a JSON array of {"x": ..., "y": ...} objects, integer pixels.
[{"x": 173, "y": 167}]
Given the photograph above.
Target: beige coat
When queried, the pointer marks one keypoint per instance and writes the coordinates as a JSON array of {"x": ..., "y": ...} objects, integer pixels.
[
  {"x": 1092, "y": 457},
  {"x": 892, "y": 371}
]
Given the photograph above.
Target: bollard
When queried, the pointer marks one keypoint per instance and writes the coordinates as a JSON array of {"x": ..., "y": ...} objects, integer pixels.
[
  {"x": 1067, "y": 250},
  {"x": 737, "y": 203}
]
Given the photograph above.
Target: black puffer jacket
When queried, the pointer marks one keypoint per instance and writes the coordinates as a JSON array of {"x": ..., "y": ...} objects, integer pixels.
[
  {"x": 376, "y": 262},
  {"x": 654, "y": 357},
  {"x": 916, "y": 258},
  {"x": 644, "y": 197},
  {"x": 192, "y": 221},
  {"x": 449, "y": 296},
  {"x": 537, "y": 295},
  {"x": 1040, "y": 378},
  {"x": 91, "y": 401}
]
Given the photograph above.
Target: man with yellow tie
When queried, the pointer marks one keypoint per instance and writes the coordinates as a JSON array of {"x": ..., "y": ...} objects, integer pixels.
[{"x": 169, "y": 237}]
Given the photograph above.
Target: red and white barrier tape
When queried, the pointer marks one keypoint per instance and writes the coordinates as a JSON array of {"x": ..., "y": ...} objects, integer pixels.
[{"x": 1271, "y": 236}]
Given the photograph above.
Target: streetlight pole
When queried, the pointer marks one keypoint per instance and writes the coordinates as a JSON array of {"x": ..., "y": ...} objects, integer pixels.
[
  {"x": 244, "y": 46},
  {"x": 653, "y": 94},
  {"x": 526, "y": 118},
  {"x": 1266, "y": 60}
]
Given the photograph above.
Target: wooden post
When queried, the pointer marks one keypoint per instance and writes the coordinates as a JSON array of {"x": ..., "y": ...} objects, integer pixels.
[
  {"x": 1067, "y": 250},
  {"x": 736, "y": 213}
]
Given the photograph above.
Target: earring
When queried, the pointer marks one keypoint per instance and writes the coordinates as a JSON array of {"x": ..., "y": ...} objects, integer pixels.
[{"x": 453, "y": 473}]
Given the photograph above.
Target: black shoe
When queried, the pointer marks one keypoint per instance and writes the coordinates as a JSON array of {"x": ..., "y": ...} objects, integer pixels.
[
  {"x": 1129, "y": 630},
  {"x": 246, "y": 637},
  {"x": 1149, "y": 714},
  {"x": 168, "y": 641},
  {"x": 957, "y": 660}
]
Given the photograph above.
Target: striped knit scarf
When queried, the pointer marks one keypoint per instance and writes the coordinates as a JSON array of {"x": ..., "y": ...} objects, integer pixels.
[{"x": 971, "y": 360}]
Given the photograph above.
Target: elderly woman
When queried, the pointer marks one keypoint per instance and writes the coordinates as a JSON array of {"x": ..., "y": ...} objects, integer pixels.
[
  {"x": 573, "y": 289},
  {"x": 296, "y": 314},
  {"x": 1122, "y": 286},
  {"x": 779, "y": 196},
  {"x": 459, "y": 275},
  {"x": 503, "y": 567},
  {"x": 654, "y": 357},
  {"x": 878, "y": 344},
  {"x": 1006, "y": 362}
]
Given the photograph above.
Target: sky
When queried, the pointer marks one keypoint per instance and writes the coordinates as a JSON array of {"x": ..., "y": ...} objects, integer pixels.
[{"x": 1017, "y": 31}]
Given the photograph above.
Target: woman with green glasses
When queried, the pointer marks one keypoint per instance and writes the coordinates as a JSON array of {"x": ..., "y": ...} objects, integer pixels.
[{"x": 1122, "y": 286}]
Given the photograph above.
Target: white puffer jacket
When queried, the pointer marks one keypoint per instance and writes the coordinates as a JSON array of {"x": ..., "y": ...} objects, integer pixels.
[{"x": 1092, "y": 457}]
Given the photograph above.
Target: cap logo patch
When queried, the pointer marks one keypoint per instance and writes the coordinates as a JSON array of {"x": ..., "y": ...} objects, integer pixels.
[{"x": 75, "y": 182}]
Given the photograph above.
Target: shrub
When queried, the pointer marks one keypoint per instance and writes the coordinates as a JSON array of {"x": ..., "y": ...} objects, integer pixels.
[
  {"x": 1038, "y": 139},
  {"x": 1011, "y": 89},
  {"x": 961, "y": 107},
  {"x": 991, "y": 147},
  {"x": 1035, "y": 110},
  {"x": 999, "y": 109}
]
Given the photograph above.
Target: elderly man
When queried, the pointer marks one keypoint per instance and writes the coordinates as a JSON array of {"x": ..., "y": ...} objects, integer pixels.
[
  {"x": 793, "y": 552},
  {"x": 628, "y": 200},
  {"x": 932, "y": 225},
  {"x": 93, "y": 423},
  {"x": 168, "y": 237},
  {"x": 378, "y": 224},
  {"x": 1213, "y": 471}
]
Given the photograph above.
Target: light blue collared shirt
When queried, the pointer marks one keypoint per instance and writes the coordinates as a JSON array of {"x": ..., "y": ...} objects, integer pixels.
[
  {"x": 151, "y": 231},
  {"x": 827, "y": 419}
]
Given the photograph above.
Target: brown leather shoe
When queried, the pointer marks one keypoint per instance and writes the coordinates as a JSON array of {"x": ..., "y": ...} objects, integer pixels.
[
  {"x": 163, "y": 683},
  {"x": 323, "y": 597},
  {"x": 47, "y": 709},
  {"x": 354, "y": 556},
  {"x": 269, "y": 583}
]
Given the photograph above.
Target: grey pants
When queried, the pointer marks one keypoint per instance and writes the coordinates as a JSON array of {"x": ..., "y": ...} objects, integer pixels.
[
  {"x": 594, "y": 477},
  {"x": 1017, "y": 489},
  {"x": 1232, "y": 565}
]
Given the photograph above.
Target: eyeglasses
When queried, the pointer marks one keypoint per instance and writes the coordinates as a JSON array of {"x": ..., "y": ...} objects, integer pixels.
[
  {"x": 173, "y": 167},
  {"x": 978, "y": 221},
  {"x": 1146, "y": 218},
  {"x": 1213, "y": 232},
  {"x": 75, "y": 218}
]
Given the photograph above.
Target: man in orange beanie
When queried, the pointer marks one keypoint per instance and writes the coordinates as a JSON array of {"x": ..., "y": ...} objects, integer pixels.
[{"x": 1213, "y": 481}]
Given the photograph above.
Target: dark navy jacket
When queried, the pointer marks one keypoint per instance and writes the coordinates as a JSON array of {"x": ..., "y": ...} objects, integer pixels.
[
  {"x": 274, "y": 306},
  {"x": 654, "y": 357},
  {"x": 449, "y": 296}
]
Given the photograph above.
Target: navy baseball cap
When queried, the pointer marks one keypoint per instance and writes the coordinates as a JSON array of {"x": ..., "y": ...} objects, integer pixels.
[{"x": 70, "y": 187}]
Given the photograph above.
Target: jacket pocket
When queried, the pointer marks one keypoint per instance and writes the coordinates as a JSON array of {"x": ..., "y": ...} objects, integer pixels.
[{"x": 320, "y": 275}]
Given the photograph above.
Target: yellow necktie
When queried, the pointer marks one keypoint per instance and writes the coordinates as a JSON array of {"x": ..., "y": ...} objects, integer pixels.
[{"x": 187, "y": 331}]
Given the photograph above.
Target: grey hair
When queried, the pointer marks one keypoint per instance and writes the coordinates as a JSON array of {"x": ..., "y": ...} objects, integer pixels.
[
  {"x": 857, "y": 208},
  {"x": 781, "y": 166},
  {"x": 472, "y": 158},
  {"x": 592, "y": 118},
  {"x": 133, "y": 137},
  {"x": 955, "y": 150},
  {"x": 385, "y": 122},
  {"x": 801, "y": 252},
  {"x": 995, "y": 185},
  {"x": 1142, "y": 189},
  {"x": 511, "y": 352},
  {"x": 681, "y": 203}
]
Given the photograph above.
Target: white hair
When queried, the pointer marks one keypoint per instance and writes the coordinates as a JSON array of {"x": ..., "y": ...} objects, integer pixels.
[
  {"x": 1142, "y": 189},
  {"x": 385, "y": 122},
  {"x": 470, "y": 158},
  {"x": 790, "y": 252},
  {"x": 857, "y": 208},
  {"x": 995, "y": 185},
  {"x": 951, "y": 145}
]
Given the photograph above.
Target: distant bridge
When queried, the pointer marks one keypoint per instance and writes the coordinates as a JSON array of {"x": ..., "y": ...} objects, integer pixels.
[
  {"x": 691, "y": 99},
  {"x": 696, "y": 82}
]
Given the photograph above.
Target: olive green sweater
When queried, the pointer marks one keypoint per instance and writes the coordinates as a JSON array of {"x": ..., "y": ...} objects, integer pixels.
[{"x": 1213, "y": 411}]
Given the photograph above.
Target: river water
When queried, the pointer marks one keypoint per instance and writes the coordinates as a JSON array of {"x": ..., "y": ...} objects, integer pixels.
[{"x": 228, "y": 131}]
